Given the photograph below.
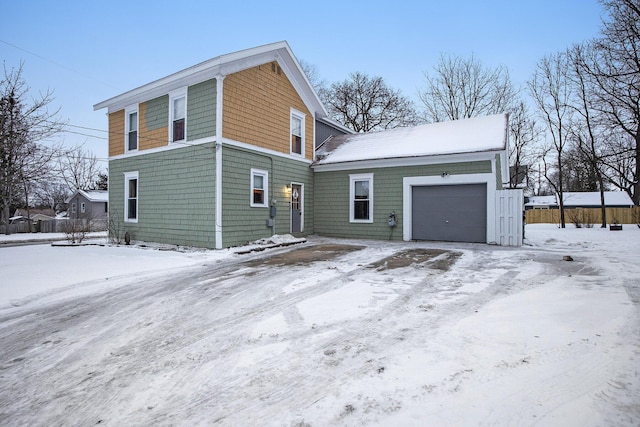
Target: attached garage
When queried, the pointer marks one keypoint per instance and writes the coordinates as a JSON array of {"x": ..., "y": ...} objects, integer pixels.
[
  {"x": 452, "y": 213},
  {"x": 434, "y": 182}
]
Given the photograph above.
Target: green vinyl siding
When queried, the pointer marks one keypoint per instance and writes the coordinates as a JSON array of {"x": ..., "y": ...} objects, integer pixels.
[
  {"x": 243, "y": 223},
  {"x": 176, "y": 196},
  {"x": 498, "y": 172},
  {"x": 157, "y": 113},
  {"x": 331, "y": 198},
  {"x": 201, "y": 110}
]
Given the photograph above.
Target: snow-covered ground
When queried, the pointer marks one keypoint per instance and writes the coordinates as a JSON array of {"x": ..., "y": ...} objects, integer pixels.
[{"x": 327, "y": 332}]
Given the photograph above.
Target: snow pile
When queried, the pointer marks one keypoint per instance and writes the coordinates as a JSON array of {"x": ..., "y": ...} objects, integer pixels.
[{"x": 277, "y": 240}]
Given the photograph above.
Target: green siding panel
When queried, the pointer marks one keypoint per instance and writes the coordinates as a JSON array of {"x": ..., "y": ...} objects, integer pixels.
[
  {"x": 331, "y": 198},
  {"x": 176, "y": 193},
  {"x": 498, "y": 172},
  {"x": 242, "y": 223},
  {"x": 157, "y": 113},
  {"x": 201, "y": 110}
]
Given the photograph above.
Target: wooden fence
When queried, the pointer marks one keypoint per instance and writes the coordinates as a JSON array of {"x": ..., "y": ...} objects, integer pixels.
[
  {"x": 55, "y": 226},
  {"x": 584, "y": 216}
]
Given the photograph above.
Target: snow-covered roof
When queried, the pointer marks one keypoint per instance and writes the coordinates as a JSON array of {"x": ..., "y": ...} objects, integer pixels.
[
  {"x": 91, "y": 195},
  {"x": 583, "y": 199},
  {"x": 592, "y": 198},
  {"x": 476, "y": 134},
  {"x": 542, "y": 201}
]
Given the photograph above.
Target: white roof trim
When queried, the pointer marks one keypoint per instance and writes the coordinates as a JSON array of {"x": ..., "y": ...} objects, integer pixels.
[
  {"x": 222, "y": 66},
  {"x": 407, "y": 161}
]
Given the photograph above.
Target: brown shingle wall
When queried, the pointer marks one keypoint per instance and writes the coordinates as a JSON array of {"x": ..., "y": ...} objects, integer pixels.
[
  {"x": 116, "y": 133},
  {"x": 150, "y": 138},
  {"x": 257, "y": 109}
]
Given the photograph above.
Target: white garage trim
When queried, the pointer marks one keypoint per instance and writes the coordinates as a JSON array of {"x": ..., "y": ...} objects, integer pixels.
[{"x": 481, "y": 178}]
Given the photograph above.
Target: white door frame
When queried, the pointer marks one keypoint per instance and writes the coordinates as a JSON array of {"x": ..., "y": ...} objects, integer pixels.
[
  {"x": 476, "y": 178},
  {"x": 301, "y": 207}
]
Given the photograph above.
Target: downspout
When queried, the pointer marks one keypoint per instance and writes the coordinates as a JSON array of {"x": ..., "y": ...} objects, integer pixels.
[{"x": 218, "y": 190}]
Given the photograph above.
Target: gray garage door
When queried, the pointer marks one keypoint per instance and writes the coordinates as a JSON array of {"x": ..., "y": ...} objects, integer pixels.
[{"x": 452, "y": 213}]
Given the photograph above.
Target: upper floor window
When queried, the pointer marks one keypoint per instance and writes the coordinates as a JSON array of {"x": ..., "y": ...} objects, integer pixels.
[
  {"x": 132, "y": 129},
  {"x": 131, "y": 196},
  {"x": 178, "y": 115},
  {"x": 83, "y": 207},
  {"x": 361, "y": 198},
  {"x": 297, "y": 132},
  {"x": 259, "y": 188}
]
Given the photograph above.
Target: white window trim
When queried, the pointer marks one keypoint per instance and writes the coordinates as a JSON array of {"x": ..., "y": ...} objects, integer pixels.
[
  {"x": 265, "y": 183},
  {"x": 73, "y": 207},
  {"x": 128, "y": 111},
  {"x": 300, "y": 115},
  {"x": 175, "y": 94},
  {"x": 352, "y": 179},
  {"x": 83, "y": 207},
  {"x": 128, "y": 176}
]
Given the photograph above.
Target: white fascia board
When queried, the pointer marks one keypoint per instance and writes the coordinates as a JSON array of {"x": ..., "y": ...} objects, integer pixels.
[
  {"x": 169, "y": 147},
  {"x": 407, "y": 161},
  {"x": 328, "y": 121},
  {"x": 292, "y": 69},
  {"x": 255, "y": 148}
]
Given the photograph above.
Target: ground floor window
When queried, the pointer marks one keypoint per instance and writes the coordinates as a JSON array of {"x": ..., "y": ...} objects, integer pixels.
[
  {"x": 131, "y": 196},
  {"x": 361, "y": 198},
  {"x": 259, "y": 188}
]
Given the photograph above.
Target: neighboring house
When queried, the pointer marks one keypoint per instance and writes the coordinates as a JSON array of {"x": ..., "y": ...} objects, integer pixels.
[
  {"x": 540, "y": 202},
  {"x": 35, "y": 214},
  {"x": 89, "y": 204},
  {"x": 223, "y": 153},
  {"x": 591, "y": 199},
  {"x": 586, "y": 199}
]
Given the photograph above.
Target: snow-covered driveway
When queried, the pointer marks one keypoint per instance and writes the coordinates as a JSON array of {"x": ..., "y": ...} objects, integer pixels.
[{"x": 338, "y": 332}]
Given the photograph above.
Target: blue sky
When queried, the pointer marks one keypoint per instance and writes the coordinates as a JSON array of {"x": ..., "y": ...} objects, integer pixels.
[{"x": 87, "y": 52}]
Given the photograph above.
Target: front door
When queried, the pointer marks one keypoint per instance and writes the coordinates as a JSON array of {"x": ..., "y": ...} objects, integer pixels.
[{"x": 296, "y": 208}]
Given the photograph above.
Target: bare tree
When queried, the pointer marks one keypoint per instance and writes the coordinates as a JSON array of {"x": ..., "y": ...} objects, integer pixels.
[
  {"x": 616, "y": 73},
  {"x": 588, "y": 136},
  {"x": 365, "y": 103},
  {"x": 313, "y": 75},
  {"x": 551, "y": 92},
  {"x": 52, "y": 194},
  {"x": 524, "y": 133},
  {"x": 462, "y": 88},
  {"x": 23, "y": 125},
  {"x": 102, "y": 182},
  {"x": 79, "y": 169}
]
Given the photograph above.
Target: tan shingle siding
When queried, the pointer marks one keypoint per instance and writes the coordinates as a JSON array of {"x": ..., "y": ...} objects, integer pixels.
[
  {"x": 116, "y": 133},
  {"x": 150, "y": 138},
  {"x": 257, "y": 107}
]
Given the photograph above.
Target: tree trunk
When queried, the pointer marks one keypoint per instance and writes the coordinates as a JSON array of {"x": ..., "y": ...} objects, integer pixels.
[
  {"x": 6, "y": 215},
  {"x": 636, "y": 185},
  {"x": 602, "y": 202},
  {"x": 561, "y": 191}
]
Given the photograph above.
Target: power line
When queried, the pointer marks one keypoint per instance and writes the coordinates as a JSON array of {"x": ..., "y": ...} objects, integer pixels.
[{"x": 58, "y": 64}]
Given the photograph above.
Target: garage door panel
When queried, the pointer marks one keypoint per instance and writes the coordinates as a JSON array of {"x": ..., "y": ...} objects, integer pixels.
[{"x": 456, "y": 213}]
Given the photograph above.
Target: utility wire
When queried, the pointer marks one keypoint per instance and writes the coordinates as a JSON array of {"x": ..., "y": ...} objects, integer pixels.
[{"x": 58, "y": 64}]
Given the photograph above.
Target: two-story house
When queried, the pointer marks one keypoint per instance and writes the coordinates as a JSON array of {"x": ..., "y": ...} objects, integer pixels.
[
  {"x": 218, "y": 154},
  {"x": 224, "y": 152}
]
